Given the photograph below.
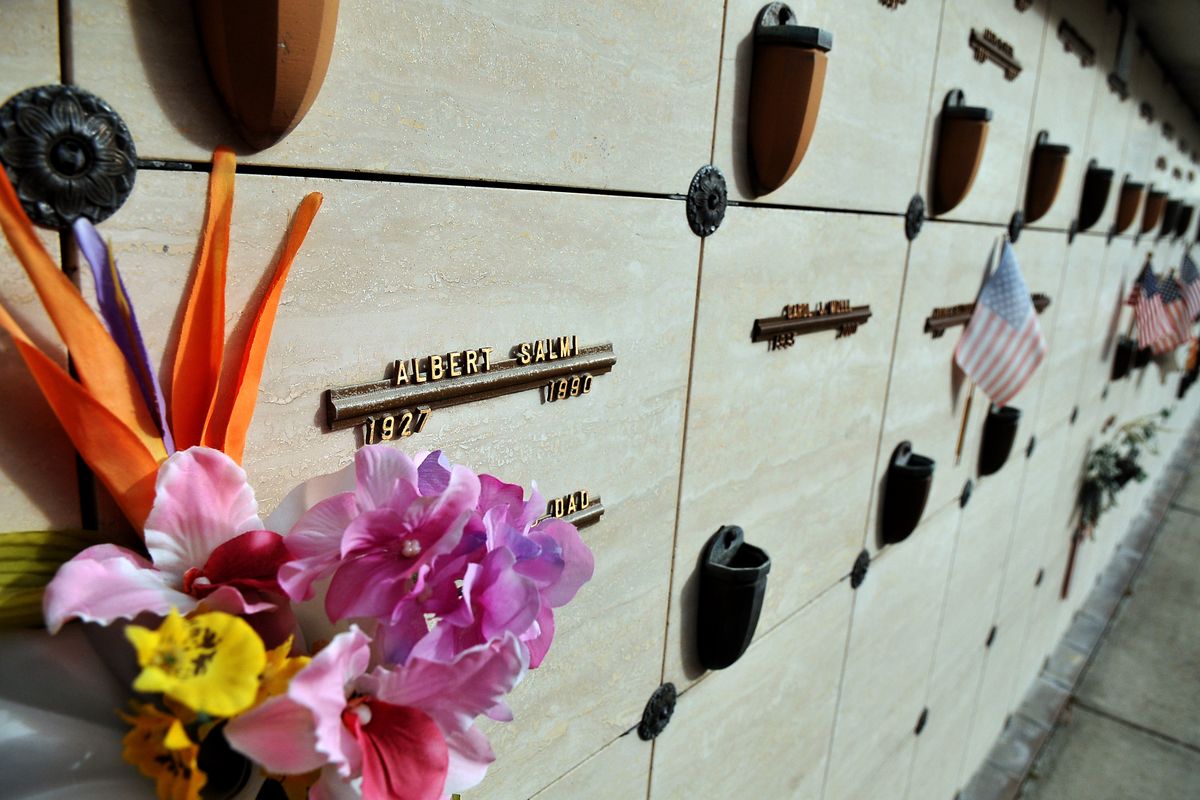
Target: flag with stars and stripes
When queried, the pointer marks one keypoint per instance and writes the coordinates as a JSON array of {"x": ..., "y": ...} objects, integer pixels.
[
  {"x": 1148, "y": 312},
  {"x": 1175, "y": 308},
  {"x": 1003, "y": 342},
  {"x": 1190, "y": 279}
]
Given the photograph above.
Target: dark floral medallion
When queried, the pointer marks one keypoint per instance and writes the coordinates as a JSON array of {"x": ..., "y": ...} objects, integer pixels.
[
  {"x": 67, "y": 153},
  {"x": 706, "y": 201}
]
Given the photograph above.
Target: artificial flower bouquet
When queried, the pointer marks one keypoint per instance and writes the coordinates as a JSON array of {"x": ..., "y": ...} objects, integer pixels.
[{"x": 343, "y": 647}]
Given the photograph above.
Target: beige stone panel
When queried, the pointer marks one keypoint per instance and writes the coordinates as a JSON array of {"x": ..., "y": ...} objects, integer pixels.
[
  {"x": 1042, "y": 256},
  {"x": 927, "y": 392},
  {"x": 1040, "y": 496},
  {"x": 866, "y": 148},
  {"x": 774, "y": 436},
  {"x": 1064, "y": 362},
  {"x": 998, "y": 189},
  {"x": 1063, "y": 104},
  {"x": 1110, "y": 118},
  {"x": 888, "y": 662},
  {"x": 37, "y": 463},
  {"x": 761, "y": 727},
  {"x": 608, "y": 94},
  {"x": 1142, "y": 144},
  {"x": 1099, "y": 395},
  {"x": 620, "y": 770},
  {"x": 997, "y": 687},
  {"x": 392, "y": 271},
  {"x": 937, "y": 770}
]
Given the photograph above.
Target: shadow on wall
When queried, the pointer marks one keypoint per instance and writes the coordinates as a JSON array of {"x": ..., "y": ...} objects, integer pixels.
[{"x": 168, "y": 46}]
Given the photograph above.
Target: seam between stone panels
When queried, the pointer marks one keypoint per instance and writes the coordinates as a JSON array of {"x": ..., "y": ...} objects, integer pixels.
[
  {"x": 927, "y": 130},
  {"x": 1026, "y": 160},
  {"x": 1137, "y": 726},
  {"x": 837, "y": 705}
]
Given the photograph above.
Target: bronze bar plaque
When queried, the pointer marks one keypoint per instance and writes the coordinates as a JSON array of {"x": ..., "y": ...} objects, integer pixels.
[
  {"x": 947, "y": 317},
  {"x": 578, "y": 508},
  {"x": 800, "y": 319},
  {"x": 1073, "y": 42},
  {"x": 990, "y": 47},
  {"x": 558, "y": 367}
]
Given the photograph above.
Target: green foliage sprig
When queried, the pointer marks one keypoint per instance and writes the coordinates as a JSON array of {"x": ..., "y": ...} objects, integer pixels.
[{"x": 1113, "y": 464}]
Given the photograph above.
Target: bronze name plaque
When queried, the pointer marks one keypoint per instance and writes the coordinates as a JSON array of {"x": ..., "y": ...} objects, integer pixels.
[
  {"x": 800, "y": 319},
  {"x": 578, "y": 508},
  {"x": 990, "y": 47},
  {"x": 399, "y": 406},
  {"x": 946, "y": 317}
]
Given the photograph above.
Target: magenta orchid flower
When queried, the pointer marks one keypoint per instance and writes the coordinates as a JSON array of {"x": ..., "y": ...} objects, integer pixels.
[
  {"x": 420, "y": 540},
  {"x": 406, "y": 733},
  {"x": 206, "y": 546}
]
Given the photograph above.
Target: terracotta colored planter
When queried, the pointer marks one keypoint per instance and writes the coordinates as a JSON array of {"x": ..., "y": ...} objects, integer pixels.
[
  {"x": 786, "y": 82},
  {"x": 909, "y": 479},
  {"x": 1153, "y": 211},
  {"x": 1127, "y": 205},
  {"x": 962, "y": 136},
  {"x": 1096, "y": 184},
  {"x": 267, "y": 87},
  {"x": 1046, "y": 170}
]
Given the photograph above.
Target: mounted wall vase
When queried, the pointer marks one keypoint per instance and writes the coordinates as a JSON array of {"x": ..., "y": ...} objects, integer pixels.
[
  {"x": 1184, "y": 221},
  {"x": 906, "y": 490},
  {"x": 733, "y": 582},
  {"x": 1046, "y": 170},
  {"x": 268, "y": 59},
  {"x": 1169, "y": 217},
  {"x": 1127, "y": 205},
  {"x": 1123, "y": 357},
  {"x": 962, "y": 136},
  {"x": 786, "y": 82},
  {"x": 999, "y": 433},
  {"x": 1142, "y": 357},
  {"x": 1096, "y": 183},
  {"x": 1153, "y": 211}
]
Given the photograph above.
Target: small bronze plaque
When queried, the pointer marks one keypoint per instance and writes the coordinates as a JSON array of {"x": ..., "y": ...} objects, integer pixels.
[
  {"x": 399, "y": 406},
  {"x": 800, "y": 319},
  {"x": 947, "y": 317},
  {"x": 578, "y": 508}
]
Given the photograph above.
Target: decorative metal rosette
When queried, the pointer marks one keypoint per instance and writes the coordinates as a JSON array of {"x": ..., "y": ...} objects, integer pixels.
[
  {"x": 706, "y": 200},
  {"x": 67, "y": 153}
]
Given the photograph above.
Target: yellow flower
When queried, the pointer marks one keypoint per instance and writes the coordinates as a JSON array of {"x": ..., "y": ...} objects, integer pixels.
[
  {"x": 161, "y": 749},
  {"x": 279, "y": 671},
  {"x": 210, "y": 663}
]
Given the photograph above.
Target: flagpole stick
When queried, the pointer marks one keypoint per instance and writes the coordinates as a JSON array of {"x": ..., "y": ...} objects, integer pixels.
[{"x": 962, "y": 430}]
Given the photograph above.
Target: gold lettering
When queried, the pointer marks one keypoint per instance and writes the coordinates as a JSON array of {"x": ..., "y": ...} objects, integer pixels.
[
  {"x": 436, "y": 372},
  {"x": 558, "y": 507},
  {"x": 523, "y": 353},
  {"x": 420, "y": 376},
  {"x": 564, "y": 347},
  {"x": 401, "y": 373},
  {"x": 539, "y": 354},
  {"x": 472, "y": 362},
  {"x": 585, "y": 499},
  {"x": 487, "y": 358},
  {"x": 571, "y": 507},
  {"x": 456, "y": 364}
]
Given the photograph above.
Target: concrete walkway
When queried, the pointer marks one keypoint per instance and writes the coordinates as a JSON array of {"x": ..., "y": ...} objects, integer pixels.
[{"x": 1132, "y": 728}]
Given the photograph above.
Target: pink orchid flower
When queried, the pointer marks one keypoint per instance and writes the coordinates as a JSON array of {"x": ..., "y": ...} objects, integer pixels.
[
  {"x": 206, "y": 546},
  {"x": 407, "y": 733}
]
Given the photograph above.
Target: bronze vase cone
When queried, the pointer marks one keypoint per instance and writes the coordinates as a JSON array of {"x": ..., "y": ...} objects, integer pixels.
[
  {"x": 1169, "y": 216},
  {"x": 268, "y": 59},
  {"x": 1127, "y": 205},
  {"x": 1153, "y": 211},
  {"x": 961, "y": 140},
  {"x": 1096, "y": 183},
  {"x": 787, "y": 80},
  {"x": 1046, "y": 170},
  {"x": 1185, "y": 219}
]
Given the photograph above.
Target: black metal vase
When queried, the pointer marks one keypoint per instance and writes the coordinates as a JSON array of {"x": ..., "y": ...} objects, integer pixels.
[
  {"x": 1123, "y": 357},
  {"x": 1142, "y": 357},
  {"x": 999, "y": 433},
  {"x": 909, "y": 478},
  {"x": 733, "y": 581}
]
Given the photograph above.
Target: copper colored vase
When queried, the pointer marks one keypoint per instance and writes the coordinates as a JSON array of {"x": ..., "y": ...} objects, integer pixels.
[
  {"x": 1046, "y": 170},
  {"x": 962, "y": 136},
  {"x": 786, "y": 82},
  {"x": 1127, "y": 205},
  {"x": 1153, "y": 211},
  {"x": 268, "y": 59}
]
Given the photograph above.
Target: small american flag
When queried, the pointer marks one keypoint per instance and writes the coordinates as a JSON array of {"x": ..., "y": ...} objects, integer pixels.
[
  {"x": 1152, "y": 323},
  {"x": 1191, "y": 286},
  {"x": 1176, "y": 312},
  {"x": 1003, "y": 343}
]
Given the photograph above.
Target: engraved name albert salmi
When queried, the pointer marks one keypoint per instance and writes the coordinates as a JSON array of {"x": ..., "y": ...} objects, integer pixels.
[{"x": 399, "y": 406}]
